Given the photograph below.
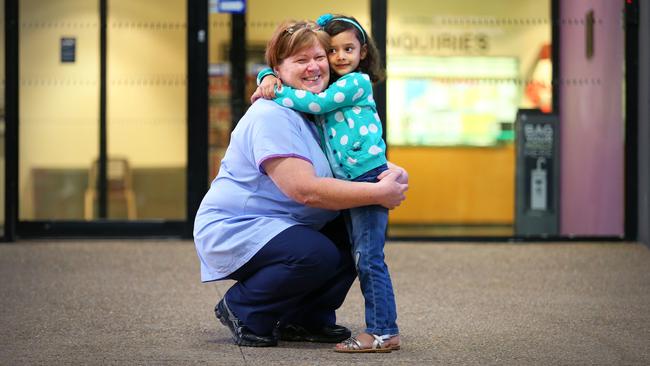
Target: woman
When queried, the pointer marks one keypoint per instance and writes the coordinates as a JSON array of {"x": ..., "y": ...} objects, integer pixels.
[{"x": 264, "y": 221}]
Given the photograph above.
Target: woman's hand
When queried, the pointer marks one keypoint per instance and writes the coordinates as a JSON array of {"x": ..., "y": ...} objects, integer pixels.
[
  {"x": 392, "y": 189},
  {"x": 266, "y": 89}
]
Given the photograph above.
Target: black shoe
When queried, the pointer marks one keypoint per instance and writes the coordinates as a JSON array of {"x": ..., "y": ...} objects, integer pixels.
[
  {"x": 326, "y": 334},
  {"x": 240, "y": 333}
]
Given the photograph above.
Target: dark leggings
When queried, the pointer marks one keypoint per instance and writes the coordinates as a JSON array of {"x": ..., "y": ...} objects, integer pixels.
[{"x": 301, "y": 276}]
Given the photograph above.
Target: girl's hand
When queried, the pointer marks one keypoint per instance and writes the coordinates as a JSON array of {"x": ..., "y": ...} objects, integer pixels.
[
  {"x": 266, "y": 89},
  {"x": 403, "y": 174},
  {"x": 256, "y": 95}
]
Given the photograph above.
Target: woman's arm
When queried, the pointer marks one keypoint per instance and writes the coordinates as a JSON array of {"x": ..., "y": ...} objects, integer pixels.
[{"x": 297, "y": 179}]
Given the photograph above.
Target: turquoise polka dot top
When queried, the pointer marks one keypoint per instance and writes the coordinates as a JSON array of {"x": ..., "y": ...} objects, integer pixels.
[{"x": 350, "y": 126}]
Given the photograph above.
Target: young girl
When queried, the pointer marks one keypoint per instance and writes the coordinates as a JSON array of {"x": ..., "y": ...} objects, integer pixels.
[{"x": 351, "y": 135}]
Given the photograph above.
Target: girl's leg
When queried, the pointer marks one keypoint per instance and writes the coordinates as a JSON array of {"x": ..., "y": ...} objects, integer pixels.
[{"x": 368, "y": 227}]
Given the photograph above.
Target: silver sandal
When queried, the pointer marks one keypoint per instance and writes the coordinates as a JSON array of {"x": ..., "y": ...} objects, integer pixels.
[
  {"x": 352, "y": 345},
  {"x": 393, "y": 347}
]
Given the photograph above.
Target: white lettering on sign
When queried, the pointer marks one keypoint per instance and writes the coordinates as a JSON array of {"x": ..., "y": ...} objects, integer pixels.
[
  {"x": 466, "y": 43},
  {"x": 538, "y": 140}
]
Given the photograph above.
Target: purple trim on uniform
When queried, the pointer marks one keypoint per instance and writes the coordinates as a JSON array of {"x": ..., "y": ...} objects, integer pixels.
[{"x": 282, "y": 156}]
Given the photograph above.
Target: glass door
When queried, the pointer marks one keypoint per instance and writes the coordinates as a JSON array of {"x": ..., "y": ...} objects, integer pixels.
[
  {"x": 146, "y": 110},
  {"x": 103, "y": 116},
  {"x": 58, "y": 106},
  {"x": 457, "y": 72},
  {"x": 219, "y": 73}
]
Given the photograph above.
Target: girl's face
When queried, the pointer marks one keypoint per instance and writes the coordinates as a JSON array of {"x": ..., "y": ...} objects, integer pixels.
[
  {"x": 306, "y": 69},
  {"x": 345, "y": 52}
]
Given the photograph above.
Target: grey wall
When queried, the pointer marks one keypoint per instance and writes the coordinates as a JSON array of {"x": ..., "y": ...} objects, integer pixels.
[{"x": 644, "y": 122}]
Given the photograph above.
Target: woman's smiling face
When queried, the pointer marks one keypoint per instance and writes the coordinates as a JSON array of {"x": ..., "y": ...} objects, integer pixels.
[{"x": 306, "y": 69}]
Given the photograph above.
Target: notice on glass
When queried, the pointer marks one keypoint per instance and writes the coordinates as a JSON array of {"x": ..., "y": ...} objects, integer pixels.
[{"x": 68, "y": 49}]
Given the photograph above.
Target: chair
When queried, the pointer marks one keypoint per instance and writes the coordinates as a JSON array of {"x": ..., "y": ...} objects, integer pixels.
[{"x": 119, "y": 186}]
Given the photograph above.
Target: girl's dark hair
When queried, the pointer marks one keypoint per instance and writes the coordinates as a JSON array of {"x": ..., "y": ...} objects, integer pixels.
[{"x": 370, "y": 65}]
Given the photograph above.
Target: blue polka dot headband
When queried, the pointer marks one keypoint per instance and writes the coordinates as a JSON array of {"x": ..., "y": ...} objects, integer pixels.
[{"x": 326, "y": 18}]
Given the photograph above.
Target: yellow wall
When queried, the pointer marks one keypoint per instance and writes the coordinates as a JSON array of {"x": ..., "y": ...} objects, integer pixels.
[
  {"x": 147, "y": 89},
  {"x": 59, "y": 103},
  {"x": 456, "y": 185},
  {"x": 263, "y": 16},
  {"x": 421, "y": 19}
]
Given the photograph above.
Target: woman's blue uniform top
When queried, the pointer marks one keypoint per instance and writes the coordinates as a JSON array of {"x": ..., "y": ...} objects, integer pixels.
[{"x": 243, "y": 208}]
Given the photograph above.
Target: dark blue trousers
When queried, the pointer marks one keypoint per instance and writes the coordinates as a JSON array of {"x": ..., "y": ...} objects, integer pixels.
[{"x": 300, "y": 277}]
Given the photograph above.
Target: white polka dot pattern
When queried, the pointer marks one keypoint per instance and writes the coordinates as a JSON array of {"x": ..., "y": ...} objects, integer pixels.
[
  {"x": 300, "y": 94},
  {"x": 363, "y": 130},
  {"x": 358, "y": 94},
  {"x": 314, "y": 107},
  {"x": 374, "y": 150},
  {"x": 339, "y": 97},
  {"x": 287, "y": 102}
]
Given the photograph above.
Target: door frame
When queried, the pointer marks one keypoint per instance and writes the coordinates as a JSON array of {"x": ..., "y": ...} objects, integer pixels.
[
  {"x": 11, "y": 118},
  {"x": 197, "y": 160}
]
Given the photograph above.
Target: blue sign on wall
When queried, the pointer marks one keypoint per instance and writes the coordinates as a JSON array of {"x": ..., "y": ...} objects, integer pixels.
[
  {"x": 227, "y": 6},
  {"x": 68, "y": 49}
]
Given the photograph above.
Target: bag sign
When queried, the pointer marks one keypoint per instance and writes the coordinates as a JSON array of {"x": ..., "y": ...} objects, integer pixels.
[{"x": 536, "y": 181}]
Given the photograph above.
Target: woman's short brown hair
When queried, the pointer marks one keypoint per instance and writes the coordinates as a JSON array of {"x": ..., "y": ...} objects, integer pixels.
[{"x": 291, "y": 37}]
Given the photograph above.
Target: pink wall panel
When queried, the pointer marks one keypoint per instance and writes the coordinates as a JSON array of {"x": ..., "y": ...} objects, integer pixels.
[{"x": 592, "y": 120}]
